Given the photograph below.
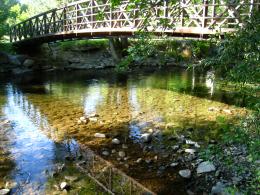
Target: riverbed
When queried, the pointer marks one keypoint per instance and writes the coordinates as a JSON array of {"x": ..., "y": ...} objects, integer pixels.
[{"x": 148, "y": 119}]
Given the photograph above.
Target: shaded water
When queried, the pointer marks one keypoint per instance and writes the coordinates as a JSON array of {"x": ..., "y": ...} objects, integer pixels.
[{"x": 43, "y": 112}]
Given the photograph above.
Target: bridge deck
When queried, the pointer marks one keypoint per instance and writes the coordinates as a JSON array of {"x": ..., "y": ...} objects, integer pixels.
[{"x": 89, "y": 18}]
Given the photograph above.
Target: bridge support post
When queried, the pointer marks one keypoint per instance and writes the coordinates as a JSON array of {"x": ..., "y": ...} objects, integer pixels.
[{"x": 118, "y": 47}]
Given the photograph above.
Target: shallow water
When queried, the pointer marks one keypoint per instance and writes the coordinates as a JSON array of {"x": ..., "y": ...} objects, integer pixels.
[{"x": 43, "y": 112}]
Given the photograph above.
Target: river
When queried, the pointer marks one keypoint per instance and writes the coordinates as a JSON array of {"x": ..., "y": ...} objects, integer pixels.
[{"x": 42, "y": 126}]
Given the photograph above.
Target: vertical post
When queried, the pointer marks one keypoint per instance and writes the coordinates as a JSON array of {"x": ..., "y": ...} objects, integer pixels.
[
  {"x": 64, "y": 23},
  {"x": 213, "y": 11},
  {"x": 76, "y": 19},
  {"x": 165, "y": 10},
  {"x": 54, "y": 21},
  {"x": 251, "y": 8},
  {"x": 92, "y": 12},
  {"x": 110, "y": 15},
  {"x": 10, "y": 34},
  {"x": 45, "y": 23},
  {"x": 205, "y": 13},
  {"x": 182, "y": 12}
]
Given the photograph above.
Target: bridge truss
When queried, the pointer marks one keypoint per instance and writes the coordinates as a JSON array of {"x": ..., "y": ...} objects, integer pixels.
[{"x": 97, "y": 18}]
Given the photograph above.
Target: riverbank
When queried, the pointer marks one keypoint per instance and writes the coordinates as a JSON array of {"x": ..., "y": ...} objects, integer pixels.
[{"x": 95, "y": 54}]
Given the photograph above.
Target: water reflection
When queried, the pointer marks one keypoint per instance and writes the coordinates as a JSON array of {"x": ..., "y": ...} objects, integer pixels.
[
  {"x": 45, "y": 114},
  {"x": 33, "y": 153}
]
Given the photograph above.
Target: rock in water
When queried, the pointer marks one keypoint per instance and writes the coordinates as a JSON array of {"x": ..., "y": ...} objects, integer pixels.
[
  {"x": 190, "y": 151},
  {"x": 116, "y": 141},
  {"x": 205, "y": 167},
  {"x": 186, "y": 173},
  {"x": 4, "y": 191},
  {"x": 63, "y": 186},
  {"x": 174, "y": 164},
  {"x": 146, "y": 137},
  {"x": 100, "y": 135},
  {"x": 122, "y": 154},
  {"x": 105, "y": 153}
]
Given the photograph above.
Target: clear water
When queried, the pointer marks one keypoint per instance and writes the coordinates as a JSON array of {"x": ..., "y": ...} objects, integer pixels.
[{"x": 43, "y": 111}]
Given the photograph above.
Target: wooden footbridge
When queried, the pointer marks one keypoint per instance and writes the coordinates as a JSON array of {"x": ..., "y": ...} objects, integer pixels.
[{"x": 98, "y": 18}]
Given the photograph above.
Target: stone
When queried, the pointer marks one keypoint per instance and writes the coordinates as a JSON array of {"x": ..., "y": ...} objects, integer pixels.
[
  {"x": 100, "y": 135},
  {"x": 218, "y": 189},
  {"x": 190, "y": 151},
  {"x": 113, "y": 151},
  {"x": 122, "y": 154},
  {"x": 175, "y": 147},
  {"x": 82, "y": 118},
  {"x": 190, "y": 142},
  {"x": 186, "y": 173},
  {"x": 146, "y": 137},
  {"x": 115, "y": 141},
  {"x": 28, "y": 63},
  {"x": 105, "y": 153},
  {"x": 5, "y": 191},
  {"x": 64, "y": 186},
  {"x": 174, "y": 164},
  {"x": 139, "y": 160},
  {"x": 205, "y": 167}
]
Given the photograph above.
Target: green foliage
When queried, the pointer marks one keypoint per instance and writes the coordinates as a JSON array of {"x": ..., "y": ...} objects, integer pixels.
[
  {"x": 238, "y": 56},
  {"x": 7, "y": 12}
]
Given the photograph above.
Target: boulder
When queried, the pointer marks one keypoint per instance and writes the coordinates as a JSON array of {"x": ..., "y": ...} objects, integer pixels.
[{"x": 205, "y": 167}]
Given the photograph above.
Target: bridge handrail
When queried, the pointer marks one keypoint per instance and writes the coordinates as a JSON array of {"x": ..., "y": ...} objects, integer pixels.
[{"x": 207, "y": 17}]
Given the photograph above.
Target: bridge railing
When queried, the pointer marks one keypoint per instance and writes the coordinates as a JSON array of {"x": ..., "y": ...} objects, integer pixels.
[{"x": 92, "y": 18}]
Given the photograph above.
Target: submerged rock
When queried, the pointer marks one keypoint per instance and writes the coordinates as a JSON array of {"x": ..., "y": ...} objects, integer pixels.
[
  {"x": 64, "y": 186},
  {"x": 186, "y": 173},
  {"x": 139, "y": 160},
  {"x": 122, "y": 154},
  {"x": 174, "y": 164},
  {"x": 115, "y": 141},
  {"x": 100, "y": 135},
  {"x": 105, "y": 153},
  {"x": 146, "y": 137},
  {"x": 205, "y": 167}
]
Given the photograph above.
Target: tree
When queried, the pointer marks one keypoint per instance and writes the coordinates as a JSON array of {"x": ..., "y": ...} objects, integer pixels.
[{"x": 10, "y": 10}]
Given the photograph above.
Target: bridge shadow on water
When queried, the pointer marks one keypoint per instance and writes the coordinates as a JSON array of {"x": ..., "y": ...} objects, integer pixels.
[{"x": 128, "y": 106}]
